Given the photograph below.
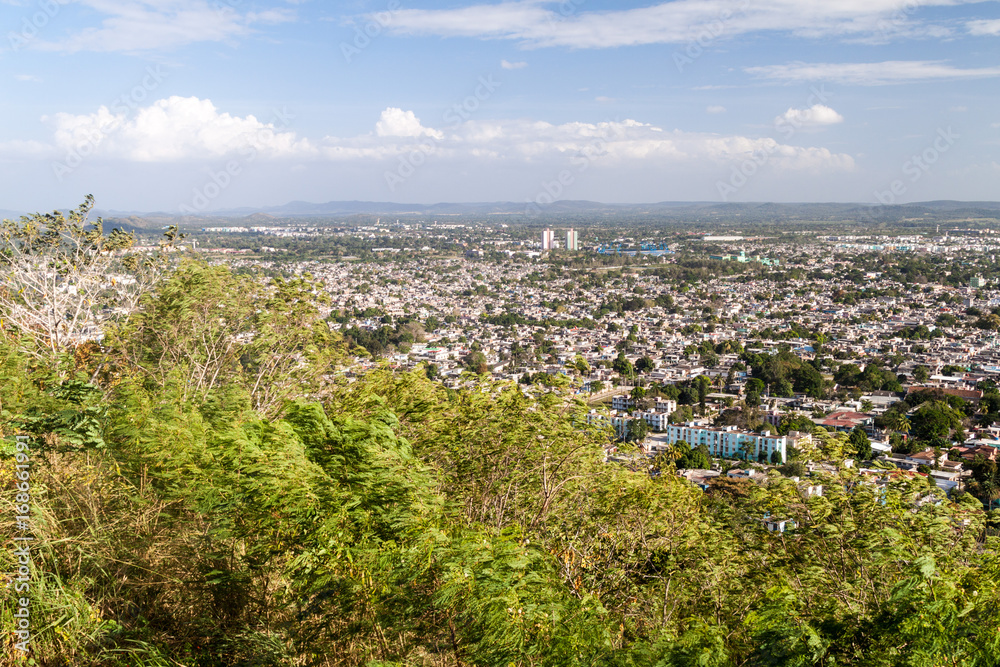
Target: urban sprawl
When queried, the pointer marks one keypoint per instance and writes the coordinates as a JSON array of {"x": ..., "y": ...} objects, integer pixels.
[{"x": 755, "y": 351}]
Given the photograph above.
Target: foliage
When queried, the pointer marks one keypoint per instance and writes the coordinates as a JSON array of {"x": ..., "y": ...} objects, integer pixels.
[
  {"x": 636, "y": 430},
  {"x": 205, "y": 331},
  {"x": 685, "y": 456},
  {"x": 793, "y": 469},
  {"x": 862, "y": 445},
  {"x": 206, "y": 491},
  {"x": 63, "y": 276},
  {"x": 935, "y": 419},
  {"x": 797, "y": 422}
]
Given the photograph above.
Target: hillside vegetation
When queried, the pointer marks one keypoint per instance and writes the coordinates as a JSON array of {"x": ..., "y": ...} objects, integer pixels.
[{"x": 207, "y": 488}]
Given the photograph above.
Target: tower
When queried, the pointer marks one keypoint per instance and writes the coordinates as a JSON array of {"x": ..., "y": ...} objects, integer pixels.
[{"x": 572, "y": 240}]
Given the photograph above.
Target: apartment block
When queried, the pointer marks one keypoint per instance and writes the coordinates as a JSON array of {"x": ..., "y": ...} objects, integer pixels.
[{"x": 729, "y": 441}]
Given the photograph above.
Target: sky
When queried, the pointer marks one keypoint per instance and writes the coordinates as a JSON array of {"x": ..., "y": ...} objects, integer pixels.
[{"x": 188, "y": 106}]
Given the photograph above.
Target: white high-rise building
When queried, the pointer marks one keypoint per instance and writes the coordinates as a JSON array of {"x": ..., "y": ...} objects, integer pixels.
[
  {"x": 572, "y": 240},
  {"x": 548, "y": 239}
]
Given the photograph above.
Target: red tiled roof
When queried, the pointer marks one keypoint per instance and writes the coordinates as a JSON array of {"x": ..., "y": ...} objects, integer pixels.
[
  {"x": 847, "y": 414},
  {"x": 967, "y": 394}
]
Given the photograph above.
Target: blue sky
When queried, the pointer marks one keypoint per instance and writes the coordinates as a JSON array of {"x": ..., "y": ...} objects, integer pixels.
[{"x": 195, "y": 105}]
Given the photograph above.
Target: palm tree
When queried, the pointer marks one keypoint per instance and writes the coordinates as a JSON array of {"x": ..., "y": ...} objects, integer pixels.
[
  {"x": 669, "y": 456},
  {"x": 679, "y": 450},
  {"x": 743, "y": 452},
  {"x": 899, "y": 423}
]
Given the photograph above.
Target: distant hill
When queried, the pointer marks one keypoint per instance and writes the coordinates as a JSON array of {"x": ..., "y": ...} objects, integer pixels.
[
  {"x": 260, "y": 217},
  {"x": 668, "y": 208},
  {"x": 718, "y": 212}
]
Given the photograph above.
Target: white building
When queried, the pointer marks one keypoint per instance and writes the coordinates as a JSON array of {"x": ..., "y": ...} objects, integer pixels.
[
  {"x": 617, "y": 421},
  {"x": 622, "y": 402},
  {"x": 665, "y": 405},
  {"x": 625, "y": 402},
  {"x": 548, "y": 239},
  {"x": 728, "y": 441},
  {"x": 572, "y": 240},
  {"x": 658, "y": 421}
]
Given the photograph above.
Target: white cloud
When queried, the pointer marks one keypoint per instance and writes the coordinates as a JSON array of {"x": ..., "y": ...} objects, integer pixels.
[
  {"x": 171, "y": 129},
  {"x": 533, "y": 24},
  {"x": 190, "y": 129},
  {"x": 871, "y": 74},
  {"x": 715, "y": 108},
  {"x": 27, "y": 77},
  {"x": 613, "y": 144},
  {"x": 147, "y": 25},
  {"x": 604, "y": 99},
  {"x": 398, "y": 123},
  {"x": 817, "y": 114},
  {"x": 984, "y": 27},
  {"x": 515, "y": 65}
]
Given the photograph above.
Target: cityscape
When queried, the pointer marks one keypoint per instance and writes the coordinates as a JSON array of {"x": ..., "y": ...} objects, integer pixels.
[
  {"x": 781, "y": 369},
  {"x": 622, "y": 331},
  {"x": 500, "y": 333}
]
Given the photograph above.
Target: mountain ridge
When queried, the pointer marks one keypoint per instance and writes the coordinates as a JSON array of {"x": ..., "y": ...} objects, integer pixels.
[{"x": 359, "y": 207}]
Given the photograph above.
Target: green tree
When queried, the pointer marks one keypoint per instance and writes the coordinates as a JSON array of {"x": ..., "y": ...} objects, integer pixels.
[
  {"x": 808, "y": 380},
  {"x": 644, "y": 365},
  {"x": 475, "y": 362},
  {"x": 63, "y": 276},
  {"x": 702, "y": 384},
  {"x": 793, "y": 469},
  {"x": 636, "y": 430},
  {"x": 795, "y": 422},
  {"x": 681, "y": 415},
  {"x": 861, "y": 444},
  {"x": 623, "y": 366},
  {"x": 783, "y": 388},
  {"x": 205, "y": 328},
  {"x": 935, "y": 419},
  {"x": 897, "y": 421}
]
